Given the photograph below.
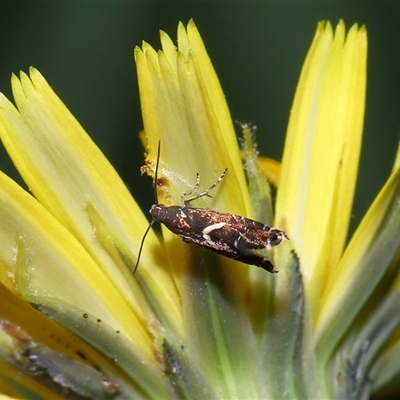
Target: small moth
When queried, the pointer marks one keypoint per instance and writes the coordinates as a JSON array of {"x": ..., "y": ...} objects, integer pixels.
[{"x": 230, "y": 235}]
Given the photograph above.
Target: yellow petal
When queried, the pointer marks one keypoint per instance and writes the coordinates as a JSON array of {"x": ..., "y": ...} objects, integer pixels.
[
  {"x": 271, "y": 169},
  {"x": 367, "y": 258},
  {"x": 397, "y": 160},
  {"x": 66, "y": 172},
  {"x": 322, "y": 150},
  {"x": 56, "y": 263},
  {"x": 183, "y": 106}
]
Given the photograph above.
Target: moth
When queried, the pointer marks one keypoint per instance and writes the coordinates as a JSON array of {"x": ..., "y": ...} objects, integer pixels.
[{"x": 230, "y": 235}]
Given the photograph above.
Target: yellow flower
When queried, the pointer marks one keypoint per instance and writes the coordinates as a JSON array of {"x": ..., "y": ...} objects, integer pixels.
[{"x": 189, "y": 323}]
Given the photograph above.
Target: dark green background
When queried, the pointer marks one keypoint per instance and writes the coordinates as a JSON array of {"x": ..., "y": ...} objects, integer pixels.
[{"x": 85, "y": 52}]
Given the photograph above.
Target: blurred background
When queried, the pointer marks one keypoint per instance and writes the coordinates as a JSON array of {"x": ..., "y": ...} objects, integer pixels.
[{"x": 85, "y": 52}]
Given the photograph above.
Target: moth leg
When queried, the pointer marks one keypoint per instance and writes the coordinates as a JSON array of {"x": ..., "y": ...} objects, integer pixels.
[
  {"x": 261, "y": 262},
  {"x": 204, "y": 192},
  {"x": 191, "y": 190},
  {"x": 247, "y": 257},
  {"x": 242, "y": 246}
]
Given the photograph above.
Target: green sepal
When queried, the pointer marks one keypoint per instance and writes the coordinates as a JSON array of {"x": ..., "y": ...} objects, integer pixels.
[
  {"x": 370, "y": 254},
  {"x": 284, "y": 343},
  {"x": 259, "y": 188},
  {"x": 145, "y": 378},
  {"x": 186, "y": 381},
  {"x": 73, "y": 378},
  {"x": 218, "y": 328}
]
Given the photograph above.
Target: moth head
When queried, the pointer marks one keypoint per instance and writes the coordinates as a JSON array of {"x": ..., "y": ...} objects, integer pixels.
[{"x": 276, "y": 237}]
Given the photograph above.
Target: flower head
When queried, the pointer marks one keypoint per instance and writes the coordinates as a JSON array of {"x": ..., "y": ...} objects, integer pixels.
[{"x": 190, "y": 323}]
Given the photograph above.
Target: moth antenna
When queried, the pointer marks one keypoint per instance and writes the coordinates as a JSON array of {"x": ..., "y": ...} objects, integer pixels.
[
  {"x": 141, "y": 246},
  {"x": 156, "y": 172},
  {"x": 156, "y": 202}
]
